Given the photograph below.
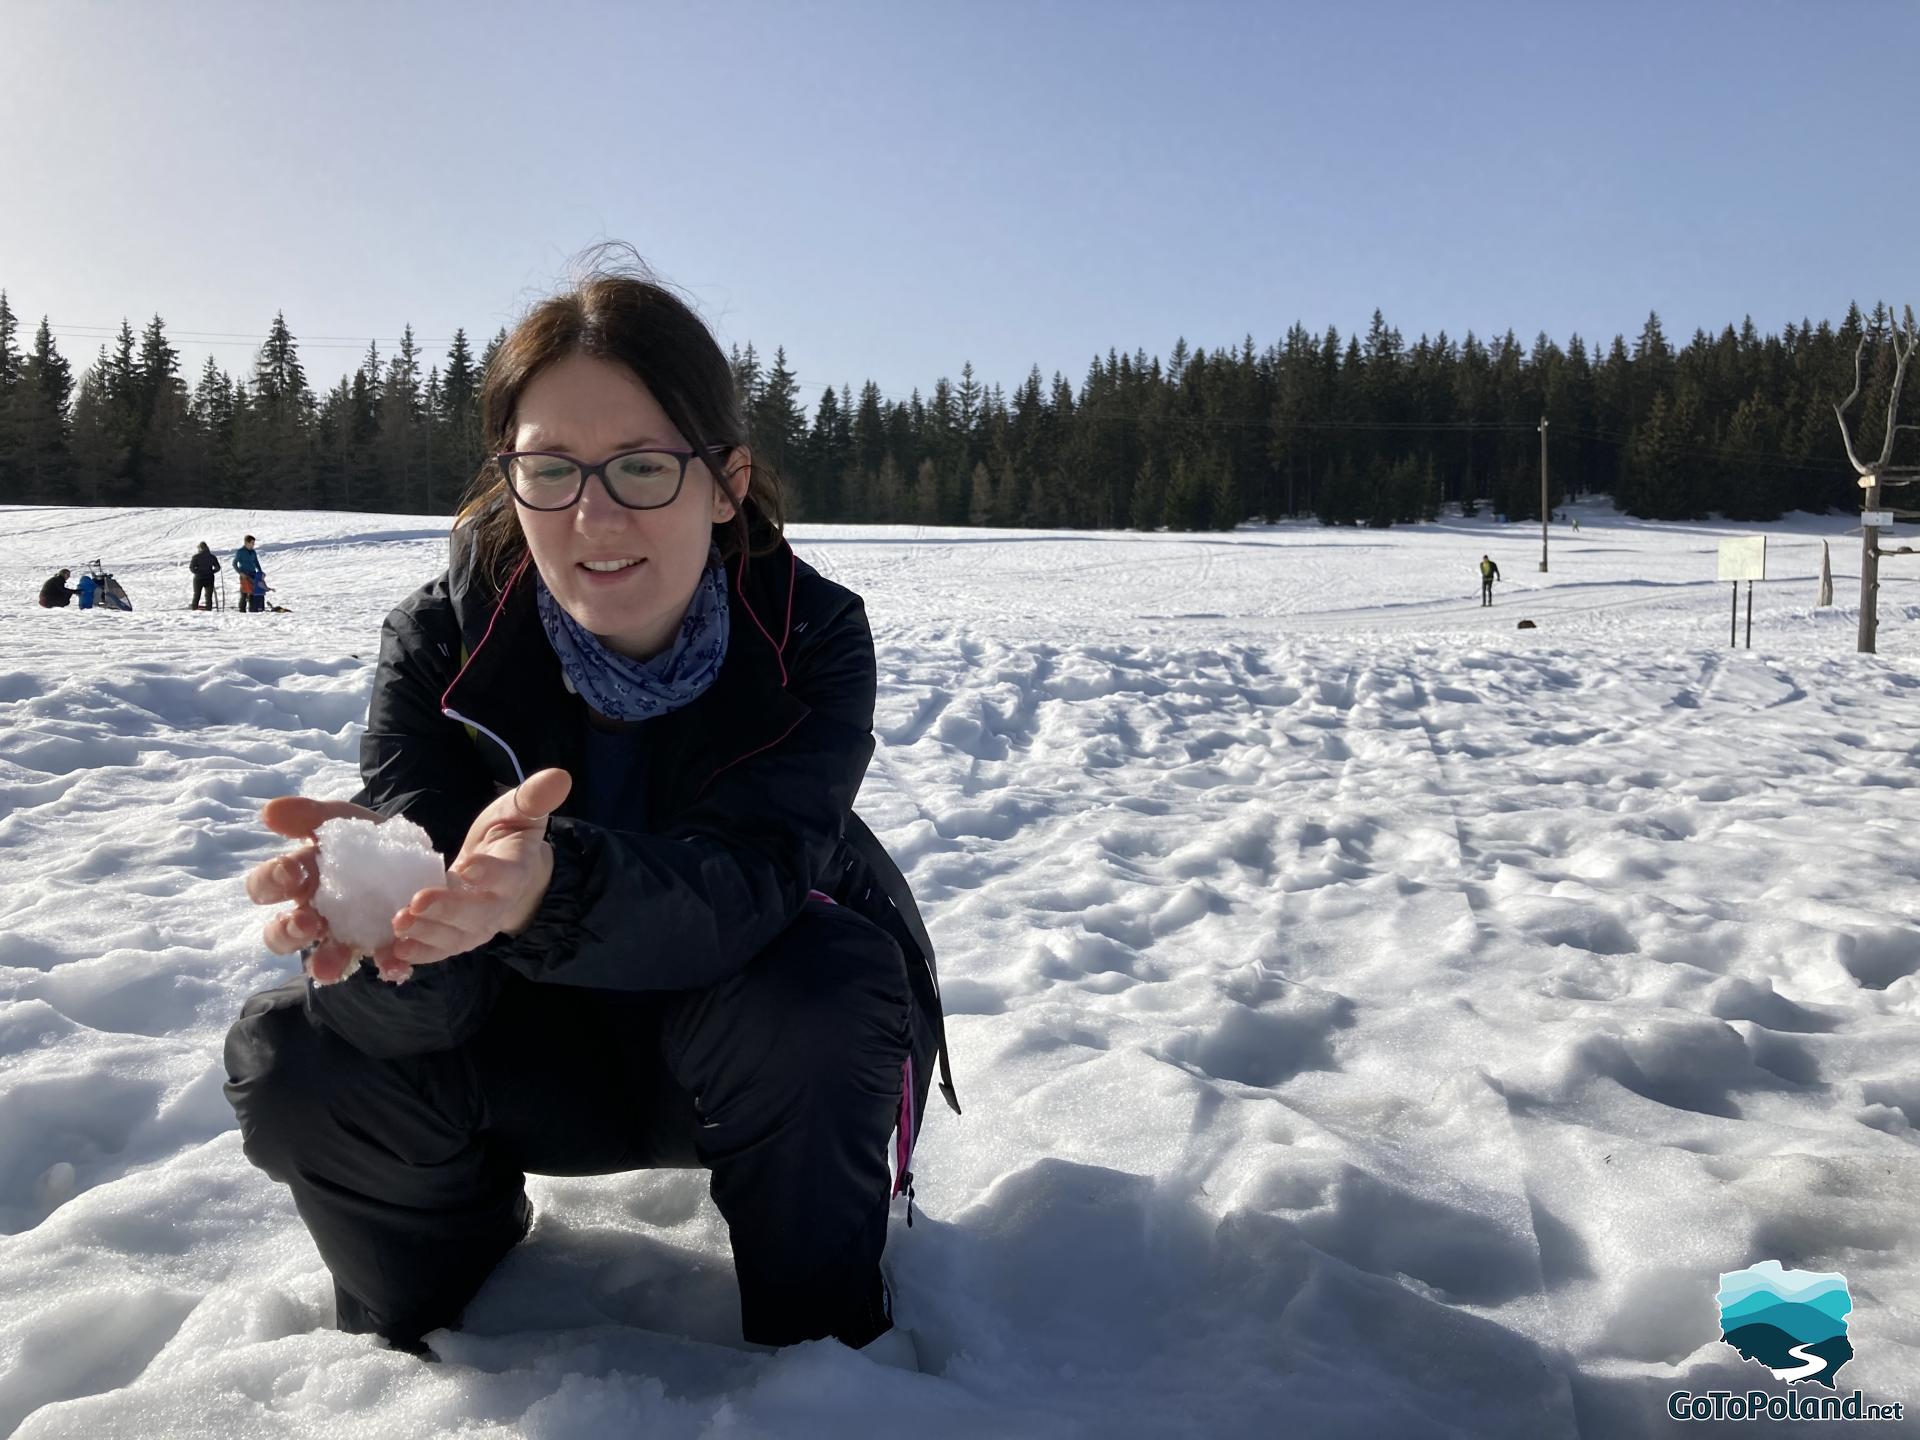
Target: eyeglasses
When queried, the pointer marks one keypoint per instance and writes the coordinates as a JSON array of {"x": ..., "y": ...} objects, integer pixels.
[{"x": 637, "y": 479}]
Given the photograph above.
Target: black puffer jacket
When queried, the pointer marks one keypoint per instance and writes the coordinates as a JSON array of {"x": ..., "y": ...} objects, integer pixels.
[{"x": 749, "y": 802}]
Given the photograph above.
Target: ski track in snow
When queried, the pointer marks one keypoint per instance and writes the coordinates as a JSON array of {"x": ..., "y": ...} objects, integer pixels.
[{"x": 1371, "y": 1021}]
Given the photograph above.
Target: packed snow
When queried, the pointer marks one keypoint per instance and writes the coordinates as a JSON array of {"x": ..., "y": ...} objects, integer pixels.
[
  {"x": 368, "y": 872},
  {"x": 1373, "y": 1019}
]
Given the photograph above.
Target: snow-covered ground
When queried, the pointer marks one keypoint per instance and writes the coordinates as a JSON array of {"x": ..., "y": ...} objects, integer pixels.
[{"x": 1373, "y": 1019}]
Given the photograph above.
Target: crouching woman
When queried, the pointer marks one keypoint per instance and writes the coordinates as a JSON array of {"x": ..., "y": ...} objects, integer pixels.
[{"x": 634, "y": 724}]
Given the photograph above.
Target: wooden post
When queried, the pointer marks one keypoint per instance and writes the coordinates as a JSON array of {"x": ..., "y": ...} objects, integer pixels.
[
  {"x": 1545, "y": 513},
  {"x": 1873, "y": 473},
  {"x": 1869, "y": 576}
]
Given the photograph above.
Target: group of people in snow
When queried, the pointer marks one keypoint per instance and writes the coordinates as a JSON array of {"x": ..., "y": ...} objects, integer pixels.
[
  {"x": 246, "y": 564},
  {"x": 95, "y": 587},
  {"x": 56, "y": 594}
]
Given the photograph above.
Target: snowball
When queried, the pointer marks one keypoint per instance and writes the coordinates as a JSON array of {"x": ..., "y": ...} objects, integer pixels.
[{"x": 369, "y": 870}]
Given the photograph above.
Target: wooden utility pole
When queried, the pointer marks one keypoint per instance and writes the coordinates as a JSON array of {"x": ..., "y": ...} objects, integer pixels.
[
  {"x": 1545, "y": 513},
  {"x": 1867, "y": 636},
  {"x": 1876, "y": 474}
]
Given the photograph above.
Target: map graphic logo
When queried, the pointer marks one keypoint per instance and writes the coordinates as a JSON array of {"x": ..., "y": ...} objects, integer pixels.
[{"x": 1794, "y": 1322}]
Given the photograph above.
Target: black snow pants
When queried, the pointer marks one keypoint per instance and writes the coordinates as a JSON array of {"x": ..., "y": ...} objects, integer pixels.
[
  {"x": 784, "y": 1081},
  {"x": 202, "y": 588}
]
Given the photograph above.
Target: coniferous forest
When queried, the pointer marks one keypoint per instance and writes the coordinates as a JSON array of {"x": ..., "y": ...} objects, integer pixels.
[{"x": 1363, "y": 429}]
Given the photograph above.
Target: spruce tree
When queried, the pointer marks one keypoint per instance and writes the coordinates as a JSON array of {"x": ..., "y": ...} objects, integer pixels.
[
  {"x": 1651, "y": 476},
  {"x": 1176, "y": 362},
  {"x": 212, "y": 408},
  {"x": 402, "y": 453},
  {"x": 828, "y": 452},
  {"x": 869, "y": 431},
  {"x": 1749, "y": 486},
  {"x": 980, "y": 495},
  {"x": 1378, "y": 507},
  {"x": 364, "y": 485},
  {"x": 113, "y": 422},
  {"x": 278, "y": 377},
  {"x": 888, "y": 491},
  {"x": 1186, "y": 496},
  {"x": 923, "y": 504},
  {"x": 1340, "y": 494},
  {"x": 440, "y": 485},
  {"x": 458, "y": 418},
  {"x": 746, "y": 377},
  {"x": 156, "y": 413},
  {"x": 776, "y": 422},
  {"x": 95, "y": 448},
  {"x": 330, "y": 450},
  {"x": 46, "y": 384},
  {"x": 486, "y": 364},
  {"x": 1149, "y": 498},
  {"x": 9, "y": 345},
  {"x": 10, "y": 357},
  {"x": 273, "y": 443},
  {"x": 13, "y": 428},
  {"x": 967, "y": 397},
  {"x": 1224, "y": 507}
]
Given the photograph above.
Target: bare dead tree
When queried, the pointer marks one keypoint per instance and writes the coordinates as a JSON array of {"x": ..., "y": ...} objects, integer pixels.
[{"x": 1881, "y": 472}]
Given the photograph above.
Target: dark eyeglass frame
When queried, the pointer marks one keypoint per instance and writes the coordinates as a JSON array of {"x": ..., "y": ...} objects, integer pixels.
[{"x": 504, "y": 460}]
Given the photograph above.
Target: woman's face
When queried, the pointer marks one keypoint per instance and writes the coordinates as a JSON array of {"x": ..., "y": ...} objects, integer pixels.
[{"x": 590, "y": 410}]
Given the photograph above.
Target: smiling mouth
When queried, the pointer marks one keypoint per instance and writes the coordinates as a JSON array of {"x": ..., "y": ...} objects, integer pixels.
[{"x": 609, "y": 567}]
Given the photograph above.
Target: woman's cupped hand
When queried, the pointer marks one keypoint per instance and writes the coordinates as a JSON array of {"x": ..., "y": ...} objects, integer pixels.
[{"x": 494, "y": 885}]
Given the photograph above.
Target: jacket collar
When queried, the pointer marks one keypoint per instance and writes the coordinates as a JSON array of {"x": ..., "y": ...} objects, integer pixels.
[{"x": 510, "y": 688}]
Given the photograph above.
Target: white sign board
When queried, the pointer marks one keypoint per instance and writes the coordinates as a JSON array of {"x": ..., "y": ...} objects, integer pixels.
[
  {"x": 1876, "y": 517},
  {"x": 1744, "y": 559}
]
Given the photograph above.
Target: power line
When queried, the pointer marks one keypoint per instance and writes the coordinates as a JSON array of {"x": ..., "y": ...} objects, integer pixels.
[{"x": 1764, "y": 459}]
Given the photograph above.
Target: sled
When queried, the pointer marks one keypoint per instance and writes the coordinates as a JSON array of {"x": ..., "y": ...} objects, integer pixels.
[{"x": 108, "y": 593}]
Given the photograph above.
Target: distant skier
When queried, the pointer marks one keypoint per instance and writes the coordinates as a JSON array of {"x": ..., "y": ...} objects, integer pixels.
[
  {"x": 54, "y": 595},
  {"x": 205, "y": 565},
  {"x": 1489, "y": 572},
  {"x": 253, "y": 581}
]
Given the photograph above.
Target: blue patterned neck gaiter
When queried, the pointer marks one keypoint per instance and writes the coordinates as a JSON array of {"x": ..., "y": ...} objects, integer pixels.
[{"x": 622, "y": 688}]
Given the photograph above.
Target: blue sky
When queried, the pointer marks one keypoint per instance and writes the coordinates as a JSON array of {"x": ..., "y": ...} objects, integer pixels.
[{"x": 889, "y": 190}]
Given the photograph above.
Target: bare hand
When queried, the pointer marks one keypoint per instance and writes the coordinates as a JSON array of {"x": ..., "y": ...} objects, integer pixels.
[
  {"x": 495, "y": 883},
  {"x": 293, "y": 878}
]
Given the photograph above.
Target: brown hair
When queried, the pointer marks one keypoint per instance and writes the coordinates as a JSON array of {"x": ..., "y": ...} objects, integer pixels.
[{"x": 618, "y": 312}]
